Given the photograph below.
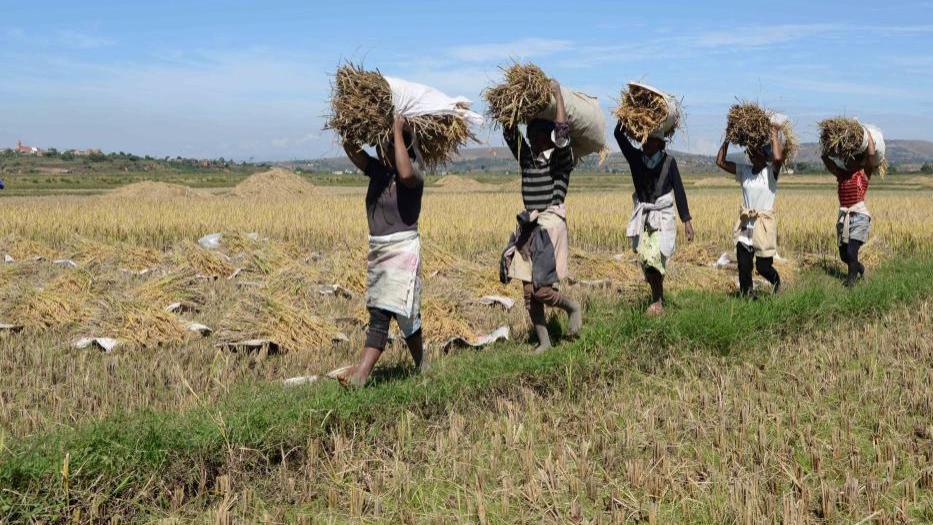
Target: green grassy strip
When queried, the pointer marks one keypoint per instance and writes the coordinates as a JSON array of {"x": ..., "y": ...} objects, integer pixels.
[{"x": 115, "y": 457}]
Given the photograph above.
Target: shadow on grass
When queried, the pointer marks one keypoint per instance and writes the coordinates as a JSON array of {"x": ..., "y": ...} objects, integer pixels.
[
  {"x": 832, "y": 269},
  {"x": 394, "y": 372}
]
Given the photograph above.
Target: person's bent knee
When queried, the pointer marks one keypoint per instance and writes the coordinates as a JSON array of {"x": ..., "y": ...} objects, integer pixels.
[
  {"x": 763, "y": 265},
  {"x": 377, "y": 334}
]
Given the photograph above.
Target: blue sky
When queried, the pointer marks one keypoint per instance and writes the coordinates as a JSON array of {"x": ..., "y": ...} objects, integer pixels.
[{"x": 251, "y": 79}]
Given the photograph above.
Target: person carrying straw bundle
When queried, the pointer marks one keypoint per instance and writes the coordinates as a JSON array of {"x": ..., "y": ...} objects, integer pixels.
[
  {"x": 755, "y": 233},
  {"x": 403, "y": 121},
  {"x": 364, "y": 103},
  {"x": 650, "y": 118},
  {"x": 538, "y": 250},
  {"x": 841, "y": 141},
  {"x": 393, "y": 280}
]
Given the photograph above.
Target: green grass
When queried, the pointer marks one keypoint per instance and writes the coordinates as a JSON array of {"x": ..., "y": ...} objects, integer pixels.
[{"x": 110, "y": 461}]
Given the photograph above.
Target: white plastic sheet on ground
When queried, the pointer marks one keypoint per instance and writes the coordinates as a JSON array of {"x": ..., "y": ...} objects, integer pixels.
[
  {"x": 300, "y": 381},
  {"x": 335, "y": 290},
  {"x": 211, "y": 241},
  {"x": 198, "y": 328},
  {"x": 178, "y": 307},
  {"x": 65, "y": 263},
  {"x": 501, "y": 333},
  {"x": 11, "y": 328},
  {"x": 105, "y": 344},
  {"x": 251, "y": 345},
  {"x": 501, "y": 300},
  {"x": 595, "y": 283}
]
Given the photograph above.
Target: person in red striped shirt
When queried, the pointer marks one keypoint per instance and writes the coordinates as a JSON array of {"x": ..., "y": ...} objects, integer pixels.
[{"x": 854, "y": 221}]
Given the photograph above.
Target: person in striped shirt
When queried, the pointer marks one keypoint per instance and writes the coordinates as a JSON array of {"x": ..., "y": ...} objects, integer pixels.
[
  {"x": 545, "y": 166},
  {"x": 854, "y": 221}
]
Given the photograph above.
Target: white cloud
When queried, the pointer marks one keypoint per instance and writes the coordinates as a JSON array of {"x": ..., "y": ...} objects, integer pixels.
[
  {"x": 524, "y": 48},
  {"x": 758, "y": 36}
]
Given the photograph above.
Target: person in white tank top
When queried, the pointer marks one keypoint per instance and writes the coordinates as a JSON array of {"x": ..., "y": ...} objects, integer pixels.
[{"x": 755, "y": 232}]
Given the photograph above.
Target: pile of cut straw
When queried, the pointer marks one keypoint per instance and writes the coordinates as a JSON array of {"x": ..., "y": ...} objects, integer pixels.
[
  {"x": 749, "y": 126},
  {"x": 841, "y": 138},
  {"x": 642, "y": 111},
  {"x": 362, "y": 113},
  {"x": 522, "y": 96}
]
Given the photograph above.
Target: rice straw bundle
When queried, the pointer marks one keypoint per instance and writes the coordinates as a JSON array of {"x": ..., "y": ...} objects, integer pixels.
[
  {"x": 145, "y": 326},
  {"x": 63, "y": 301},
  {"x": 642, "y": 111},
  {"x": 362, "y": 112},
  {"x": 440, "y": 136},
  {"x": 277, "y": 317},
  {"x": 524, "y": 94},
  {"x": 841, "y": 138},
  {"x": 791, "y": 142},
  {"x": 361, "y": 106},
  {"x": 748, "y": 126}
]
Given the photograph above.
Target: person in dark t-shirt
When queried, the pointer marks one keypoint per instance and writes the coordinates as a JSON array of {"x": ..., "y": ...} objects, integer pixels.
[
  {"x": 393, "y": 205},
  {"x": 653, "y": 229}
]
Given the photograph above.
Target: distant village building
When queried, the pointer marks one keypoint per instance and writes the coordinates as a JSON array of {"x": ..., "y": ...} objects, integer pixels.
[{"x": 26, "y": 150}]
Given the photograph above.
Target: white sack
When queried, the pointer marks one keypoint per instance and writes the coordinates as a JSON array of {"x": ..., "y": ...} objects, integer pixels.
[
  {"x": 412, "y": 100},
  {"x": 878, "y": 137},
  {"x": 587, "y": 121},
  {"x": 880, "y": 148}
]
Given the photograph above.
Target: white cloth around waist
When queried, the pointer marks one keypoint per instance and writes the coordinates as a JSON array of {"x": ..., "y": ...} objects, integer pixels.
[
  {"x": 656, "y": 216},
  {"x": 392, "y": 279}
]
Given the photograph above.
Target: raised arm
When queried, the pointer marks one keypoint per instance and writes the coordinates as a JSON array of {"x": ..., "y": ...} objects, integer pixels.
[
  {"x": 357, "y": 155},
  {"x": 870, "y": 157},
  {"x": 517, "y": 145},
  {"x": 777, "y": 150},
  {"x": 630, "y": 152},
  {"x": 561, "y": 137},
  {"x": 559, "y": 100},
  {"x": 721, "y": 161},
  {"x": 408, "y": 174}
]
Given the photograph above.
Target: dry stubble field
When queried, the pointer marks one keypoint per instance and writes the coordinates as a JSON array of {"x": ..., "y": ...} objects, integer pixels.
[{"x": 135, "y": 251}]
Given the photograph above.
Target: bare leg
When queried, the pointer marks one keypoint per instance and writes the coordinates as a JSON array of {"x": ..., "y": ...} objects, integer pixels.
[
  {"x": 376, "y": 337},
  {"x": 368, "y": 359},
  {"x": 656, "y": 281},
  {"x": 416, "y": 349},
  {"x": 538, "y": 319}
]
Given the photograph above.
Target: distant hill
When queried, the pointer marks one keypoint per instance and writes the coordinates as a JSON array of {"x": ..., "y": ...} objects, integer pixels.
[{"x": 907, "y": 155}]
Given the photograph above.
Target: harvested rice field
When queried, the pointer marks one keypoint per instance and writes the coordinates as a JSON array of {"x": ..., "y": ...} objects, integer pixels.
[{"x": 175, "y": 315}]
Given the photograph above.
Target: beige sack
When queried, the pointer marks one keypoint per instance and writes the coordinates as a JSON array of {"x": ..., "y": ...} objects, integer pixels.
[{"x": 587, "y": 122}]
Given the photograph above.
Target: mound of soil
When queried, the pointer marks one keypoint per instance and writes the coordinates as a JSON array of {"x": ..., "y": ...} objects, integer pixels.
[
  {"x": 152, "y": 190},
  {"x": 458, "y": 183},
  {"x": 276, "y": 183}
]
